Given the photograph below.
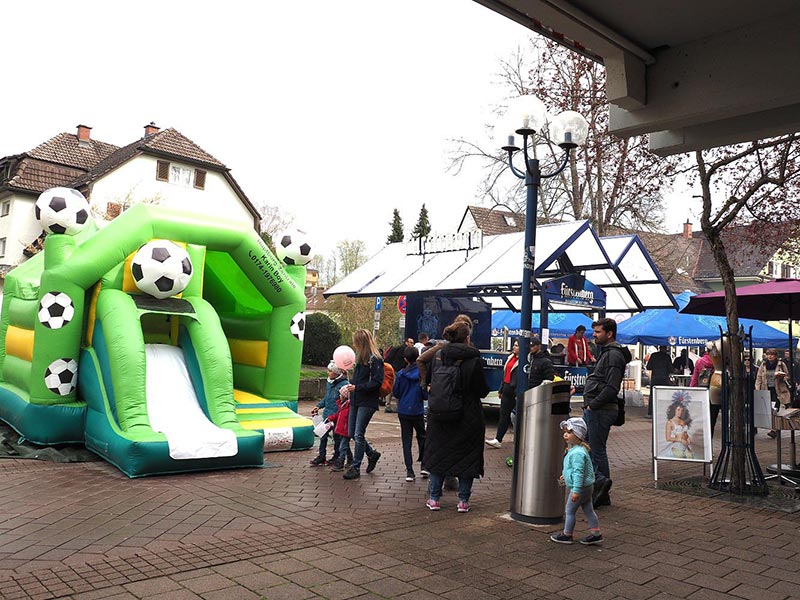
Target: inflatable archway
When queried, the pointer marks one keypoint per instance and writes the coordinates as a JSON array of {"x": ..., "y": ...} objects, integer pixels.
[{"x": 205, "y": 379}]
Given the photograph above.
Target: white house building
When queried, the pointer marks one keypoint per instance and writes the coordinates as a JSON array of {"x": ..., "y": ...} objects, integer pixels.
[{"x": 163, "y": 167}]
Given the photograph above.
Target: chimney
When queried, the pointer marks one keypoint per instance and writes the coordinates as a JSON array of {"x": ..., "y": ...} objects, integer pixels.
[
  {"x": 84, "y": 133},
  {"x": 687, "y": 230},
  {"x": 151, "y": 128}
]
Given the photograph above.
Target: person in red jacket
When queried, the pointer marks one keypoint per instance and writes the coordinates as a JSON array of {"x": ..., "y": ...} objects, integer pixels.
[
  {"x": 341, "y": 439},
  {"x": 578, "y": 353}
]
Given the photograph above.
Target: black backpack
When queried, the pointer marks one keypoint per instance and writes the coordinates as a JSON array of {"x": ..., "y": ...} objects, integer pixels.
[
  {"x": 445, "y": 397},
  {"x": 620, "y": 405}
]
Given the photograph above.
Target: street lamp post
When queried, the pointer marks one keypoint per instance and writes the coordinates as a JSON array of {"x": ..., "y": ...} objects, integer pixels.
[{"x": 525, "y": 117}]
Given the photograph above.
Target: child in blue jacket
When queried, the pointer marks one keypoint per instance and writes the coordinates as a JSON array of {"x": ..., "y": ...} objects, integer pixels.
[
  {"x": 578, "y": 477},
  {"x": 410, "y": 407},
  {"x": 337, "y": 379}
]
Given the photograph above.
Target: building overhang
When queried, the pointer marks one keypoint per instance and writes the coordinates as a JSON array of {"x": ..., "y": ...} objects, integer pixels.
[{"x": 693, "y": 75}]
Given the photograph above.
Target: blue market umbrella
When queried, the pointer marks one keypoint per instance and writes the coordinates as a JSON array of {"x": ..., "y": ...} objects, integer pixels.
[
  {"x": 561, "y": 325},
  {"x": 668, "y": 327}
]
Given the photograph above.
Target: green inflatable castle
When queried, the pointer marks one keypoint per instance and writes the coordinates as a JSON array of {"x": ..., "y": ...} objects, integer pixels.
[{"x": 159, "y": 382}]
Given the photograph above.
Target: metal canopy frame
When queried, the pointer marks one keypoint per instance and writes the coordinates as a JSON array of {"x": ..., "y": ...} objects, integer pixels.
[{"x": 620, "y": 265}]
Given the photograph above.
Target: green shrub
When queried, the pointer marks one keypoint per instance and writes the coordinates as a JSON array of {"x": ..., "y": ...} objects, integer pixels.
[{"x": 322, "y": 336}]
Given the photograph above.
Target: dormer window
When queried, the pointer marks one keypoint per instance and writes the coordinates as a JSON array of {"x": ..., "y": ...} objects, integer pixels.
[{"x": 510, "y": 221}]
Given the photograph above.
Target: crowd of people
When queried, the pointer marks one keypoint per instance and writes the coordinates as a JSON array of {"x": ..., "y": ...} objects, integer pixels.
[
  {"x": 447, "y": 449},
  {"x": 451, "y": 450},
  {"x": 775, "y": 374}
]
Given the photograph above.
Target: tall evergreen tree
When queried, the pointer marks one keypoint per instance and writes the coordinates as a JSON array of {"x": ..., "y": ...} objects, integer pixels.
[
  {"x": 423, "y": 227},
  {"x": 397, "y": 228}
]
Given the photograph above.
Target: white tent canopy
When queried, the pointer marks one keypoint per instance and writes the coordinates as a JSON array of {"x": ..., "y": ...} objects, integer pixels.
[{"x": 492, "y": 268}]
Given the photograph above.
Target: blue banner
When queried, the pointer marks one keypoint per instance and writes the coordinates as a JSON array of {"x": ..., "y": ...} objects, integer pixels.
[
  {"x": 495, "y": 361},
  {"x": 575, "y": 375},
  {"x": 575, "y": 290}
]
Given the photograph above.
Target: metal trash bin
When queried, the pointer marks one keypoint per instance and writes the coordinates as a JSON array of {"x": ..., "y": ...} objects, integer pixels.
[{"x": 536, "y": 496}]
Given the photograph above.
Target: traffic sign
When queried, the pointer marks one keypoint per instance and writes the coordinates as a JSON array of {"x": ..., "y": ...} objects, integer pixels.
[
  {"x": 401, "y": 304},
  {"x": 378, "y": 302}
]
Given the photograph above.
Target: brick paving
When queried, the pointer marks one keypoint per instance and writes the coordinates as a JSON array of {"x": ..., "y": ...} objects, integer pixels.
[{"x": 85, "y": 531}]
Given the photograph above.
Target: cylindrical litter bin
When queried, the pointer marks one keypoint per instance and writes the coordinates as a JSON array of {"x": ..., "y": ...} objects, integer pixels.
[{"x": 536, "y": 496}]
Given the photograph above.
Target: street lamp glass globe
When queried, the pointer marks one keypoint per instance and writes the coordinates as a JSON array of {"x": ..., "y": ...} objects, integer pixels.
[
  {"x": 569, "y": 129},
  {"x": 527, "y": 113},
  {"x": 505, "y": 134}
]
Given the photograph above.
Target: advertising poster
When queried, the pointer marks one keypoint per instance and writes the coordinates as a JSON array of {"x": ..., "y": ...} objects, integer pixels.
[{"x": 681, "y": 424}]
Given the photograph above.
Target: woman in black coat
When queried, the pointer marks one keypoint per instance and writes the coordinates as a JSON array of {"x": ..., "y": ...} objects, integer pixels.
[{"x": 455, "y": 448}]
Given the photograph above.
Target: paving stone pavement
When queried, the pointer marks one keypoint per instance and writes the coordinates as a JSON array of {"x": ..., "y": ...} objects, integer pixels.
[{"x": 86, "y": 531}]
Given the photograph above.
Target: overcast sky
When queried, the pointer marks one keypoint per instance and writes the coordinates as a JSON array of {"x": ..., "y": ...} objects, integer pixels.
[{"x": 336, "y": 112}]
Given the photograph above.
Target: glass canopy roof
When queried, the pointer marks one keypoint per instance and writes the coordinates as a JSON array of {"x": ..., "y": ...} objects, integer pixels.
[{"x": 492, "y": 269}]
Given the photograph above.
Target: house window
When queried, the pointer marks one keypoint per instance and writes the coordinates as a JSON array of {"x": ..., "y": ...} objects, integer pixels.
[
  {"x": 200, "y": 179},
  {"x": 510, "y": 221},
  {"x": 5, "y": 209},
  {"x": 2, "y": 247},
  {"x": 162, "y": 170},
  {"x": 180, "y": 175},
  {"x": 183, "y": 176}
]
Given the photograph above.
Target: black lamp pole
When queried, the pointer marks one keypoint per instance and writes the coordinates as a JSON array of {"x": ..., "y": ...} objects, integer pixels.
[{"x": 533, "y": 177}]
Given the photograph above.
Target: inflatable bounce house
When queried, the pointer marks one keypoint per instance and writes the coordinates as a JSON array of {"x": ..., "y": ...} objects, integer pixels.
[{"x": 165, "y": 342}]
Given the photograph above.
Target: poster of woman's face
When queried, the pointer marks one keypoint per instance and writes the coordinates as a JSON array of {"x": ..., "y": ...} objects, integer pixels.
[{"x": 681, "y": 424}]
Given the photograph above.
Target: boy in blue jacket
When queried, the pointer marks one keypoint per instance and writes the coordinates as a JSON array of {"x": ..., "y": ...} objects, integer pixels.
[
  {"x": 337, "y": 379},
  {"x": 410, "y": 407}
]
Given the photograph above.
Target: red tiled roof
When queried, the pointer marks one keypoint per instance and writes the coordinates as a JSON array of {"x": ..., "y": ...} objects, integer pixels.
[
  {"x": 163, "y": 143},
  {"x": 65, "y": 149},
  {"x": 173, "y": 143},
  {"x": 63, "y": 160},
  {"x": 37, "y": 175},
  {"x": 495, "y": 221}
]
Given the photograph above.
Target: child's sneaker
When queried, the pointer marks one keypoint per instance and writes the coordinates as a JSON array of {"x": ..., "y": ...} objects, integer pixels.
[
  {"x": 493, "y": 443},
  {"x": 425, "y": 474},
  {"x": 463, "y": 506},
  {"x": 336, "y": 465},
  {"x": 592, "y": 539},
  {"x": 318, "y": 461},
  {"x": 410, "y": 475},
  {"x": 433, "y": 504},
  {"x": 561, "y": 538}
]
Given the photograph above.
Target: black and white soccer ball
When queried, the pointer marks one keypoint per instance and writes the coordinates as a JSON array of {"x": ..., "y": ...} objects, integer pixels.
[
  {"x": 61, "y": 376},
  {"x": 55, "y": 310},
  {"x": 298, "y": 326},
  {"x": 62, "y": 210},
  {"x": 161, "y": 268},
  {"x": 293, "y": 248}
]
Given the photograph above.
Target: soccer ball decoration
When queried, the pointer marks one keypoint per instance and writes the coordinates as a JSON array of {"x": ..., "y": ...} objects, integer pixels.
[
  {"x": 55, "y": 310},
  {"x": 61, "y": 376},
  {"x": 161, "y": 268},
  {"x": 293, "y": 248},
  {"x": 61, "y": 210},
  {"x": 298, "y": 326}
]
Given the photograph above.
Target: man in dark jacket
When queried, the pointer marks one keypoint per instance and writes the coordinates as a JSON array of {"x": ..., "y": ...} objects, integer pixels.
[
  {"x": 541, "y": 367},
  {"x": 600, "y": 401}
]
